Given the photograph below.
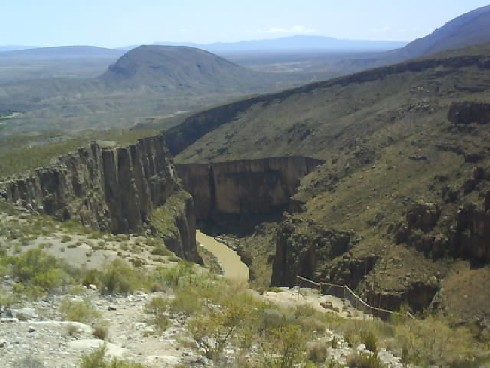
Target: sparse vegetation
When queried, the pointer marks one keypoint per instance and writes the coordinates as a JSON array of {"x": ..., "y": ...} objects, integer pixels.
[
  {"x": 97, "y": 359},
  {"x": 29, "y": 362},
  {"x": 365, "y": 360},
  {"x": 78, "y": 311},
  {"x": 101, "y": 331},
  {"x": 158, "y": 307}
]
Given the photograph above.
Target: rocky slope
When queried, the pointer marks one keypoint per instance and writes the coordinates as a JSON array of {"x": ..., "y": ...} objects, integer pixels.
[
  {"x": 108, "y": 188},
  {"x": 405, "y": 178},
  {"x": 39, "y": 331},
  {"x": 468, "y": 29}
]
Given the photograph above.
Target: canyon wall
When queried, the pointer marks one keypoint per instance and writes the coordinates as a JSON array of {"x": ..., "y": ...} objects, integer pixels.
[
  {"x": 109, "y": 189},
  {"x": 244, "y": 186}
]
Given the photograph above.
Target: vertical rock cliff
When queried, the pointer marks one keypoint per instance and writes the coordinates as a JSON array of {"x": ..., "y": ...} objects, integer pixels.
[
  {"x": 110, "y": 189},
  {"x": 244, "y": 186}
]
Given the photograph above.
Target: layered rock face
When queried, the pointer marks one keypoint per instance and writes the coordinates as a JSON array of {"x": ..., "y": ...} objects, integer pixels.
[
  {"x": 303, "y": 246},
  {"x": 469, "y": 238},
  {"x": 110, "y": 189},
  {"x": 244, "y": 186}
]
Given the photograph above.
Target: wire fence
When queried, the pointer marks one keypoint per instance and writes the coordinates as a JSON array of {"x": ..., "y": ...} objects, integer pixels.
[{"x": 344, "y": 292}]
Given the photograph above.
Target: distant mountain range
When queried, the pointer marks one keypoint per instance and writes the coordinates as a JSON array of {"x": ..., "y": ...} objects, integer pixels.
[
  {"x": 61, "y": 52},
  {"x": 296, "y": 43},
  {"x": 466, "y": 30},
  {"x": 14, "y": 47},
  {"x": 293, "y": 43}
]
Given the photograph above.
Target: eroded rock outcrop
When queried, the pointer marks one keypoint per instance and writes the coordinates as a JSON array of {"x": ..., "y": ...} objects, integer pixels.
[
  {"x": 302, "y": 246},
  {"x": 468, "y": 238},
  {"x": 244, "y": 186},
  {"x": 110, "y": 189},
  {"x": 471, "y": 239}
]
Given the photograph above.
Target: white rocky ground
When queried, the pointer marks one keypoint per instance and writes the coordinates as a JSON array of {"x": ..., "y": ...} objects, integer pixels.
[{"x": 39, "y": 331}]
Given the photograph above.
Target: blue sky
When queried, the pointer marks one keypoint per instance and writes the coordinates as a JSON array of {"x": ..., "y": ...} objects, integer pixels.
[{"x": 114, "y": 23}]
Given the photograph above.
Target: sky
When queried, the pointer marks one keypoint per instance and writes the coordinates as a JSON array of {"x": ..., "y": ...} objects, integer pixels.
[{"x": 118, "y": 23}]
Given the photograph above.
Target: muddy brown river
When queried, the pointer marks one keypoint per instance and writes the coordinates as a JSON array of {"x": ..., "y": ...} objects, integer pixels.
[{"x": 229, "y": 260}]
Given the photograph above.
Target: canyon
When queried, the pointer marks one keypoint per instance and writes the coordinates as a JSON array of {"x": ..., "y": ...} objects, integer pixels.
[
  {"x": 138, "y": 189},
  {"x": 242, "y": 187}
]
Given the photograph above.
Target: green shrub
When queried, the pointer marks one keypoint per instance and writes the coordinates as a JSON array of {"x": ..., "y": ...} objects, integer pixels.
[
  {"x": 434, "y": 341},
  {"x": 158, "y": 307},
  {"x": 182, "y": 274},
  {"x": 318, "y": 352},
  {"x": 78, "y": 311},
  {"x": 97, "y": 359},
  {"x": 120, "y": 277},
  {"x": 160, "y": 250},
  {"x": 216, "y": 326},
  {"x": 364, "y": 360},
  {"x": 187, "y": 301},
  {"x": 37, "y": 268},
  {"x": 65, "y": 238},
  {"x": 370, "y": 341},
  {"x": 283, "y": 347}
]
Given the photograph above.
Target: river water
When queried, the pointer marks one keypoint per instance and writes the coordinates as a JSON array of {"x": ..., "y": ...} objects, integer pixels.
[{"x": 229, "y": 260}]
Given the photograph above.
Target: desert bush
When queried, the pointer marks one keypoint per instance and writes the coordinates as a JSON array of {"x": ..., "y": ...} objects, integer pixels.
[
  {"x": 72, "y": 330},
  {"x": 181, "y": 274},
  {"x": 434, "y": 341},
  {"x": 91, "y": 277},
  {"x": 370, "y": 341},
  {"x": 65, "y": 238},
  {"x": 218, "y": 325},
  {"x": 225, "y": 312},
  {"x": 158, "y": 307},
  {"x": 101, "y": 331},
  {"x": 6, "y": 298},
  {"x": 364, "y": 360},
  {"x": 318, "y": 352},
  {"x": 36, "y": 268},
  {"x": 78, "y": 311},
  {"x": 97, "y": 359},
  {"x": 187, "y": 301},
  {"x": 160, "y": 250},
  {"x": 28, "y": 362},
  {"x": 120, "y": 277},
  {"x": 282, "y": 347}
]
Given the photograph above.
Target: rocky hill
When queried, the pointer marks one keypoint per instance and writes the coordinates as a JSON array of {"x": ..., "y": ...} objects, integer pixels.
[
  {"x": 168, "y": 68},
  {"x": 400, "y": 205},
  {"x": 465, "y": 31},
  {"x": 469, "y": 29}
]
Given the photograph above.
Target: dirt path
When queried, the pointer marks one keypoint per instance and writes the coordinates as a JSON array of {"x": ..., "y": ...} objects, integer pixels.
[{"x": 229, "y": 260}]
